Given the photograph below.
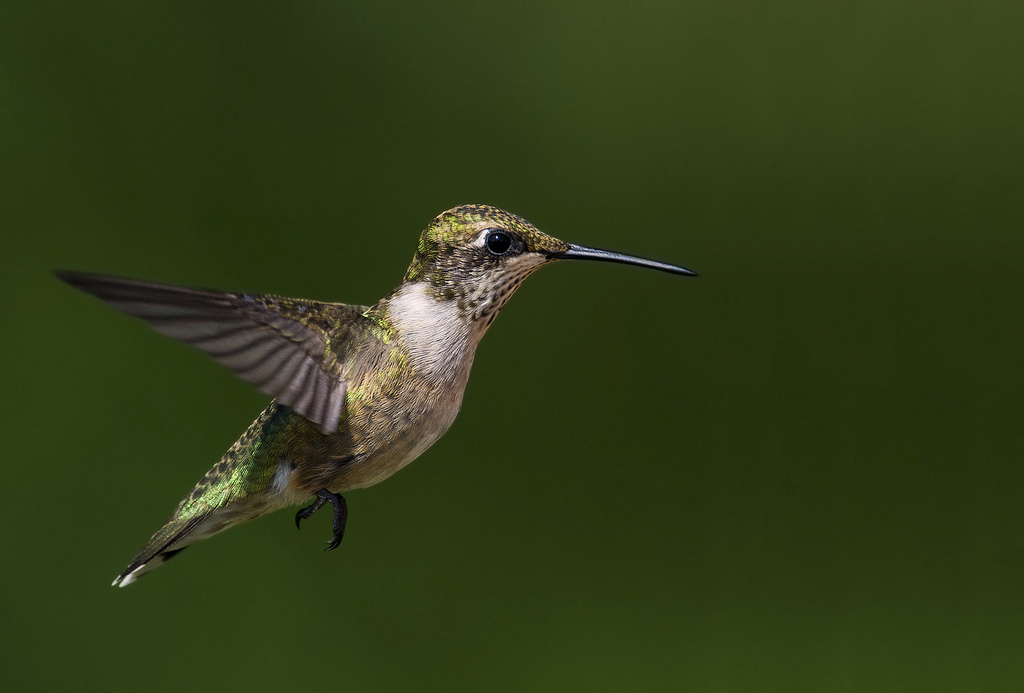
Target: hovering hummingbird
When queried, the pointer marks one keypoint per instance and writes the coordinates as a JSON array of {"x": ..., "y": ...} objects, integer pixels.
[{"x": 360, "y": 391}]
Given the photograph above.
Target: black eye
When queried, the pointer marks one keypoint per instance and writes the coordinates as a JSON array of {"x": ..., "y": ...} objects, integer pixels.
[{"x": 498, "y": 242}]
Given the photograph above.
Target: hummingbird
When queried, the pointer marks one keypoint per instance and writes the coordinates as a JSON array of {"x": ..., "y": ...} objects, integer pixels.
[{"x": 359, "y": 391}]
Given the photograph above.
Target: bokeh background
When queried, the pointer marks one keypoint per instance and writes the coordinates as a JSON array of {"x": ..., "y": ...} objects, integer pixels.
[{"x": 800, "y": 472}]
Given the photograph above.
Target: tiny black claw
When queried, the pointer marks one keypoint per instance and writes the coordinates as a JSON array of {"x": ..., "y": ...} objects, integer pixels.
[
  {"x": 340, "y": 515},
  {"x": 308, "y": 511}
]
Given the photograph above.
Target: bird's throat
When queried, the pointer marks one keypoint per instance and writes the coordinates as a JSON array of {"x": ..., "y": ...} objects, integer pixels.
[{"x": 438, "y": 336}]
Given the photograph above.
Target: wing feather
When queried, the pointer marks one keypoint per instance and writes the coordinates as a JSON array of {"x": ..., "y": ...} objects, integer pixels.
[{"x": 290, "y": 349}]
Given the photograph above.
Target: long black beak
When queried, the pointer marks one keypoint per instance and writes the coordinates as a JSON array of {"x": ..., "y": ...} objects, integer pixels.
[{"x": 579, "y": 252}]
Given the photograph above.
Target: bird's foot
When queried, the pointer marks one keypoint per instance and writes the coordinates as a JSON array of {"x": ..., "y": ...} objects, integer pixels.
[{"x": 340, "y": 514}]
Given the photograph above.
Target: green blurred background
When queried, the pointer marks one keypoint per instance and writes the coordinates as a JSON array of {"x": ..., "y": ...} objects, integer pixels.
[{"x": 800, "y": 472}]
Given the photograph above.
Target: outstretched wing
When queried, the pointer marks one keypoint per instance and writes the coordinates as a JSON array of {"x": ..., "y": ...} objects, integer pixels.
[{"x": 288, "y": 348}]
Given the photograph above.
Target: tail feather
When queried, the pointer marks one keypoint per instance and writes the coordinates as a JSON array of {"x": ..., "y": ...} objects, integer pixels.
[
  {"x": 169, "y": 541},
  {"x": 136, "y": 569}
]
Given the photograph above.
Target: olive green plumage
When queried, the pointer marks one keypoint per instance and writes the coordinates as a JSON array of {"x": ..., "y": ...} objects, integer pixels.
[{"x": 359, "y": 391}]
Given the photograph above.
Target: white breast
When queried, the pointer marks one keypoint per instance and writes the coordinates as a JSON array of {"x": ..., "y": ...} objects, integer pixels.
[{"x": 440, "y": 340}]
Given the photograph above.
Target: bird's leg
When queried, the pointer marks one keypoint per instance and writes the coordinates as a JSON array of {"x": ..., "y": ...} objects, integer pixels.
[{"x": 340, "y": 514}]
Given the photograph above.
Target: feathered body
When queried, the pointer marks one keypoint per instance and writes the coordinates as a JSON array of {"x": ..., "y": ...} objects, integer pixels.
[{"x": 360, "y": 391}]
